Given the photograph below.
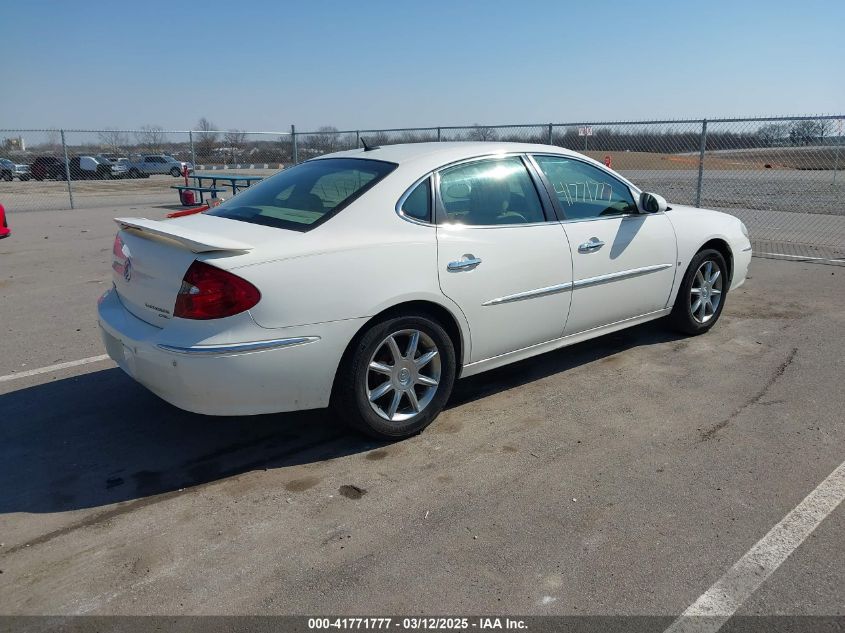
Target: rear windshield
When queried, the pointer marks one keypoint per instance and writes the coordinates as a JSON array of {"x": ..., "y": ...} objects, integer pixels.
[{"x": 304, "y": 196}]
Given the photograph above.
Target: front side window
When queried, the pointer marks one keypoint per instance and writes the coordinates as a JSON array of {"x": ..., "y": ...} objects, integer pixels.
[
  {"x": 490, "y": 192},
  {"x": 304, "y": 196},
  {"x": 584, "y": 191}
]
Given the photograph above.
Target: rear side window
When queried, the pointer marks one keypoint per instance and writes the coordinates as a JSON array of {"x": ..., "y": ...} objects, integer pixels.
[
  {"x": 418, "y": 204},
  {"x": 304, "y": 196}
]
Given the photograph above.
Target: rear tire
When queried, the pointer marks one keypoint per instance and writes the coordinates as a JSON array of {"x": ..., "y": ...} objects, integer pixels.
[
  {"x": 392, "y": 390},
  {"x": 7, "y": 176},
  {"x": 134, "y": 173},
  {"x": 702, "y": 294}
]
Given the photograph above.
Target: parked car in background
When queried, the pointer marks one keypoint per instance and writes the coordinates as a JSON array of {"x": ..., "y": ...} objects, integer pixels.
[
  {"x": 369, "y": 280},
  {"x": 45, "y": 167},
  {"x": 10, "y": 170},
  {"x": 5, "y": 231},
  {"x": 143, "y": 165},
  {"x": 89, "y": 167},
  {"x": 112, "y": 158}
]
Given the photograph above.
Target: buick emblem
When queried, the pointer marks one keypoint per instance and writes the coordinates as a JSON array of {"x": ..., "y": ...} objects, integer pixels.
[{"x": 127, "y": 270}]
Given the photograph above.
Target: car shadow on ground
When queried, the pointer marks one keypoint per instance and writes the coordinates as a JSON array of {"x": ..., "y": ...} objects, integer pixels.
[{"x": 100, "y": 438}]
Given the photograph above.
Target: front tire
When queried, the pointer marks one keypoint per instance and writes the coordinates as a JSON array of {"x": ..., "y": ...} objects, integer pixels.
[
  {"x": 702, "y": 294},
  {"x": 396, "y": 377},
  {"x": 175, "y": 172}
]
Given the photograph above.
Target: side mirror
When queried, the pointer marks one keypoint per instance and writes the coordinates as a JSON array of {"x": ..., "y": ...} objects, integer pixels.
[{"x": 652, "y": 203}]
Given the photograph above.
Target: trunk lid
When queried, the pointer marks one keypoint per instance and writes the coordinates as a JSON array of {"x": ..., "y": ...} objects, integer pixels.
[{"x": 150, "y": 258}]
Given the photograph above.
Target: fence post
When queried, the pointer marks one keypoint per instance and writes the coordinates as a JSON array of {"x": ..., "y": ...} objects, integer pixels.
[
  {"x": 67, "y": 170},
  {"x": 838, "y": 145},
  {"x": 701, "y": 151},
  {"x": 193, "y": 153},
  {"x": 294, "y": 152},
  {"x": 438, "y": 134},
  {"x": 357, "y": 139},
  {"x": 550, "y": 134}
]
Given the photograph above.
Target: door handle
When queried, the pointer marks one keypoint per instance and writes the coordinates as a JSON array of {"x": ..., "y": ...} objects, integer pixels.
[
  {"x": 467, "y": 262},
  {"x": 593, "y": 244}
]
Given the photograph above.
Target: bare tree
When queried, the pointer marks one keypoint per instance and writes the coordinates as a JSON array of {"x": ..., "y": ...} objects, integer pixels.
[
  {"x": 481, "y": 133},
  {"x": 150, "y": 137},
  {"x": 325, "y": 140},
  {"x": 206, "y": 138},
  {"x": 234, "y": 140},
  {"x": 113, "y": 140},
  {"x": 376, "y": 139},
  {"x": 53, "y": 142},
  {"x": 772, "y": 134},
  {"x": 809, "y": 132}
]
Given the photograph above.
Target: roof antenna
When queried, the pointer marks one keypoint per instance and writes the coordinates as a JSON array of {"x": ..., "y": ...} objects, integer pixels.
[{"x": 368, "y": 148}]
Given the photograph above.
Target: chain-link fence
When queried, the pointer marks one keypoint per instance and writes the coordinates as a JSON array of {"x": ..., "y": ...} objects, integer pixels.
[{"x": 782, "y": 175}]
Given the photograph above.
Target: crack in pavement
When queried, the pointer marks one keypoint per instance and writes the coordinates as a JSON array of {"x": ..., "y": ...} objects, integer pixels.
[{"x": 710, "y": 433}]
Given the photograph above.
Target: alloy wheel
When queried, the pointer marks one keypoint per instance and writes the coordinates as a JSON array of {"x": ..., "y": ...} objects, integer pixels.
[
  {"x": 706, "y": 291},
  {"x": 403, "y": 375}
]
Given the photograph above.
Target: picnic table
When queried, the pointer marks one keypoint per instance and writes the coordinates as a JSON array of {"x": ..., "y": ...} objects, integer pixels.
[
  {"x": 201, "y": 191},
  {"x": 235, "y": 182}
]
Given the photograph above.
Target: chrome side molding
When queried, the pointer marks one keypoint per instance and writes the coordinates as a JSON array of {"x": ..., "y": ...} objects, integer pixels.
[
  {"x": 530, "y": 294},
  {"x": 622, "y": 274},
  {"x": 238, "y": 348},
  {"x": 581, "y": 283}
]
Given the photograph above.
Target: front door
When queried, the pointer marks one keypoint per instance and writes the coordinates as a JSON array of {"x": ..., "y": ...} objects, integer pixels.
[
  {"x": 623, "y": 262},
  {"x": 499, "y": 258}
]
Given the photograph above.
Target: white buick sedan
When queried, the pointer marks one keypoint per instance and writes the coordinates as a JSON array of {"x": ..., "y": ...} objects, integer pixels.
[{"x": 370, "y": 280}]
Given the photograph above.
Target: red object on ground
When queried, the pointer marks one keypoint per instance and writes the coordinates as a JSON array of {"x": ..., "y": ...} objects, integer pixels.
[
  {"x": 5, "y": 231},
  {"x": 187, "y": 198},
  {"x": 608, "y": 161},
  {"x": 179, "y": 214}
]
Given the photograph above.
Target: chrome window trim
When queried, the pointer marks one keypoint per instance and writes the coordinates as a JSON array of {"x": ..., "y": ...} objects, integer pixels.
[
  {"x": 610, "y": 217},
  {"x": 574, "y": 285},
  {"x": 457, "y": 225},
  {"x": 238, "y": 348}
]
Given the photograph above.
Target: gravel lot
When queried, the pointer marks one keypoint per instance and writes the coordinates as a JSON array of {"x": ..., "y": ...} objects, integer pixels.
[{"x": 621, "y": 476}]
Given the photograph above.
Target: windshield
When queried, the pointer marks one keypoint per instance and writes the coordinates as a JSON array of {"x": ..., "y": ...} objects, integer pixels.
[
  {"x": 304, "y": 196},
  {"x": 169, "y": 159}
]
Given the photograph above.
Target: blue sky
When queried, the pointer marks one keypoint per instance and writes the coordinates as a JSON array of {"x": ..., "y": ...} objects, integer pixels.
[{"x": 357, "y": 64}]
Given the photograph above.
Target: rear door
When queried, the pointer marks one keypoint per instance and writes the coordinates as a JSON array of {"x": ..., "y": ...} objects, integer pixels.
[
  {"x": 502, "y": 257},
  {"x": 623, "y": 261}
]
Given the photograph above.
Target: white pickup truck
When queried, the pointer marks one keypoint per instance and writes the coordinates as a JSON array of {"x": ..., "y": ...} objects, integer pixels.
[{"x": 144, "y": 165}]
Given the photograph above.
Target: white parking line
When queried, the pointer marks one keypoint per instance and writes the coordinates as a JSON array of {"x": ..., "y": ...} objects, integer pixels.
[
  {"x": 52, "y": 368},
  {"x": 723, "y": 599},
  {"x": 819, "y": 259}
]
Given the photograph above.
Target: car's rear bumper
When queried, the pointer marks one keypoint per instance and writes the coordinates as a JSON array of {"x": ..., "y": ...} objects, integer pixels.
[{"x": 285, "y": 369}]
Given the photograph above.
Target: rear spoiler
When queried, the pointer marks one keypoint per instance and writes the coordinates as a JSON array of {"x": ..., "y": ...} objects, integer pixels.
[{"x": 196, "y": 241}]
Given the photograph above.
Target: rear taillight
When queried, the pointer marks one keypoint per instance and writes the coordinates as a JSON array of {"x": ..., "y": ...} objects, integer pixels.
[{"x": 208, "y": 292}]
